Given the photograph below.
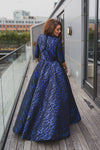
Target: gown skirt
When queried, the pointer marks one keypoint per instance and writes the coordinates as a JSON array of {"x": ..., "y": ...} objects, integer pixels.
[{"x": 48, "y": 106}]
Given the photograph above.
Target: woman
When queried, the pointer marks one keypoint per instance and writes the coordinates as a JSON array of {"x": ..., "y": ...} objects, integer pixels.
[{"x": 48, "y": 107}]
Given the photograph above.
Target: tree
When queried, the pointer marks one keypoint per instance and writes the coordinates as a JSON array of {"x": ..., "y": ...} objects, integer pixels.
[{"x": 13, "y": 37}]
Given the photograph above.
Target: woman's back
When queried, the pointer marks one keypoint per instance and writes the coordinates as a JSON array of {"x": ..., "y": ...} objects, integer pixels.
[{"x": 50, "y": 48}]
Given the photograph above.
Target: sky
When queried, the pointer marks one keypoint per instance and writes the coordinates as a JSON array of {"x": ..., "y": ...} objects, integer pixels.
[{"x": 35, "y": 7}]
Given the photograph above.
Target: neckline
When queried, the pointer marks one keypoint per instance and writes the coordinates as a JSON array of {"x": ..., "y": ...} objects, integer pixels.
[
  {"x": 50, "y": 35},
  {"x": 53, "y": 36}
]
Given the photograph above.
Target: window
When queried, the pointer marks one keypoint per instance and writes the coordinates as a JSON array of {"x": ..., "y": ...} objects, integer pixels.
[
  {"x": 90, "y": 42},
  {"x": 98, "y": 54},
  {"x": 92, "y": 49},
  {"x": 61, "y": 19}
]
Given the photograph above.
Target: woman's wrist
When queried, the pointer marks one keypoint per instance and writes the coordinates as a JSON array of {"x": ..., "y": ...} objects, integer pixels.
[
  {"x": 37, "y": 59},
  {"x": 64, "y": 65}
]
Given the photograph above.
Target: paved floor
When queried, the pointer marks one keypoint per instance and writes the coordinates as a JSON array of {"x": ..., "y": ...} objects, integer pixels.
[{"x": 85, "y": 135}]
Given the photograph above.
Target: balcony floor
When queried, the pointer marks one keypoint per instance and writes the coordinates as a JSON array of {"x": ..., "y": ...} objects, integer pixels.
[{"x": 85, "y": 135}]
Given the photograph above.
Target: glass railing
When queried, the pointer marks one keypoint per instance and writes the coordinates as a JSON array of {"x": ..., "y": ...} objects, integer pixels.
[{"x": 13, "y": 67}]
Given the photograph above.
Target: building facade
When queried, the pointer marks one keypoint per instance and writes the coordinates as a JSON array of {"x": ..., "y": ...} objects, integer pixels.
[
  {"x": 20, "y": 22},
  {"x": 81, "y": 36},
  {"x": 81, "y": 42}
]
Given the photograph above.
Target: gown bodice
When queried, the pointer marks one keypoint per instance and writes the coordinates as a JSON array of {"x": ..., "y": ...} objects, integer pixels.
[{"x": 50, "y": 48}]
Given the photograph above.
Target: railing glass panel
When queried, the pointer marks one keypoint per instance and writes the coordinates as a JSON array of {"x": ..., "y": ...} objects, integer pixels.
[{"x": 12, "y": 72}]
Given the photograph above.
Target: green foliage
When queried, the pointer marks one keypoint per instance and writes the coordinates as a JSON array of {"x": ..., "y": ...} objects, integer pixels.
[
  {"x": 91, "y": 34},
  {"x": 13, "y": 37}
]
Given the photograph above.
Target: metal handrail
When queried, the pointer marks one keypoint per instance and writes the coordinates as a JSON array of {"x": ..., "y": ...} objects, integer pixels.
[{"x": 2, "y": 58}]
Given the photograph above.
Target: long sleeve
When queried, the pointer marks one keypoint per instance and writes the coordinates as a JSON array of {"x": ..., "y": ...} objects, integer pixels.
[
  {"x": 60, "y": 54},
  {"x": 37, "y": 50}
]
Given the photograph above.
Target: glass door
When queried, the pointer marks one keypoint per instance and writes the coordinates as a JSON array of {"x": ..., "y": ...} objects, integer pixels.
[
  {"x": 90, "y": 47},
  {"x": 60, "y": 17},
  {"x": 98, "y": 54}
]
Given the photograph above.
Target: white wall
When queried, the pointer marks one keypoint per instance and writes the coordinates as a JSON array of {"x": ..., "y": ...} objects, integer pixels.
[{"x": 74, "y": 44}]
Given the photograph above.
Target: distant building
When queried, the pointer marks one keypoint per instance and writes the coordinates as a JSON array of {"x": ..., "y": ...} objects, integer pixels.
[
  {"x": 21, "y": 22},
  {"x": 20, "y": 14}
]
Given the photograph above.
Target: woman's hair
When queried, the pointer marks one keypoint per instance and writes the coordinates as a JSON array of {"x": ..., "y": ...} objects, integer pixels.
[{"x": 50, "y": 26}]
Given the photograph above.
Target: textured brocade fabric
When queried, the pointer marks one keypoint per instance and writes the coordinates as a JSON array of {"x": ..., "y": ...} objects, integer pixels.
[{"x": 48, "y": 107}]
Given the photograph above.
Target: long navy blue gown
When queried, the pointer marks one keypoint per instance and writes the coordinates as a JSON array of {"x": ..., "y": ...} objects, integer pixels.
[{"x": 48, "y": 107}]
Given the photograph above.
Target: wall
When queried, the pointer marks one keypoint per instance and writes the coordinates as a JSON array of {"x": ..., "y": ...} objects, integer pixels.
[
  {"x": 74, "y": 44},
  {"x": 35, "y": 32}
]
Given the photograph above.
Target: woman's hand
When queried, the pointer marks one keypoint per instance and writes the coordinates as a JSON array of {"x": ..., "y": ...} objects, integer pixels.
[
  {"x": 37, "y": 60},
  {"x": 65, "y": 67}
]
